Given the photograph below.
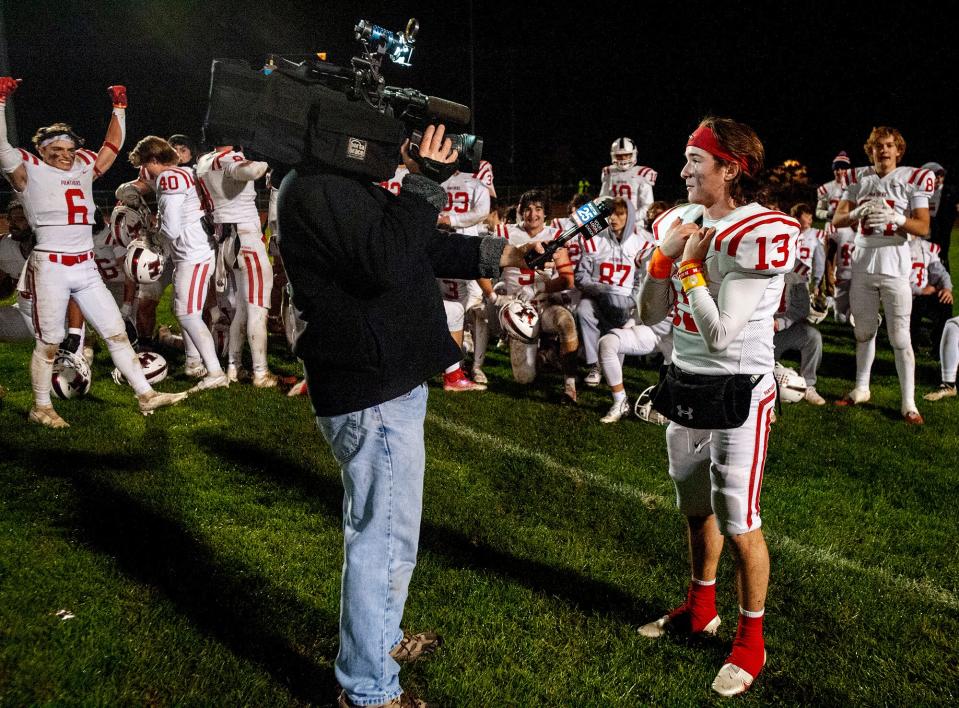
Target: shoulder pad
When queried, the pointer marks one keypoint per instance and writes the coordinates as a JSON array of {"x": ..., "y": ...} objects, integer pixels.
[
  {"x": 763, "y": 242},
  {"x": 685, "y": 212},
  {"x": 175, "y": 180}
]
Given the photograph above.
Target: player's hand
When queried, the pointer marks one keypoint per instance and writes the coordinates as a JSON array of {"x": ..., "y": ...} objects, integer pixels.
[
  {"x": 676, "y": 237},
  {"x": 945, "y": 296},
  {"x": 443, "y": 222},
  {"x": 697, "y": 245},
  {"x": 8, "y": 85},
  {"x": 885, "y": 214},
  {"x": 860, "y": 212},
  {"x": 512, "y": 256},
  {"x": 928, "y": 290},
  {"x": 118, "y": 94}
]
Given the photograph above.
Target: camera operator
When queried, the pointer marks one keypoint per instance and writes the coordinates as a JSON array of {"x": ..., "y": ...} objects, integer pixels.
[{"x": 363, "y": 262}]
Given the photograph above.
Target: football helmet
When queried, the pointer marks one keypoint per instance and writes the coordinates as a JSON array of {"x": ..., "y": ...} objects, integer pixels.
[
  {"x": 520, "y": 321},
  {"x": 645, "y": 411},
  {"x": 154, "y": 367},
  {"x": 623, "y": 153},
  {"x": 71, "y": 375},
  {"x": 792, "y": 386},
  {"x": 143, "y": 264},
  {"x": 128, "y": 224}
]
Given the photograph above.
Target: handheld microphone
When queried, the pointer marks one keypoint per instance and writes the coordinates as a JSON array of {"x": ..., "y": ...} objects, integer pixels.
[{"x": 590, "y": 218}]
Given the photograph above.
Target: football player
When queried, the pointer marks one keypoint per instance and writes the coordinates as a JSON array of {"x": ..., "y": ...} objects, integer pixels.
[
  {"x": 931, "y": 289},
  {"x": 811, "y": 252},
  {"x": 537, "y": 287},
  {"x": 181, "y": 225},
  {"x": 395, "y": 183},
  {"x": 948, "y": 361},
  {"x": 722, "y": 281},
  {"x": 485, "y": 175},
  {"x": 467, "y": 204},
  {"x": 226, "y": 178},
  {"x": 885, "y": 203},
  {"x": 794, "y": 333},
  {"x": 624, "y": 178},
  {"x": 15, "y": 249},
  {"x": 605, "y": 276},
  {"x": 828, "y": 195},
  {"x": 56, "y": 190}
]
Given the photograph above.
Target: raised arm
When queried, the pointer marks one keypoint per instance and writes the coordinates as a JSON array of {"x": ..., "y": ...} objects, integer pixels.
[
  {"x": 10, "y": 159},
  {"x": 116, "y": 131}
]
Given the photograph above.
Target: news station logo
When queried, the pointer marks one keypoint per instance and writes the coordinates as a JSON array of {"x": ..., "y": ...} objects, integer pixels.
[{"x": 356, "y": 149}]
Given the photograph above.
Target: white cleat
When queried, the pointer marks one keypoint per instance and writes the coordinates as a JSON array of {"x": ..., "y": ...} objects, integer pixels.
[
  {"x": 194, "y": 370},
  {"x": 657, "y": 628},
  {"x": 264, "y": 380},
  {"x": 152, "y": 400},
  {"x": 854, "y": 397},
  {"x": 616, "y": 411},
  {"x": 479, "y": 377},
  {"x": 211, "y": 381},
  {"x": 944, "y": 391},
  {"x": 46, "y": 416},
  {"x": 812, "y": 396},
  {"x": 298, "y": 389},
  {"x": 594, "y": 376},
  {"x": 732, "y": 680},
  {"x": 88, "y": 355}
]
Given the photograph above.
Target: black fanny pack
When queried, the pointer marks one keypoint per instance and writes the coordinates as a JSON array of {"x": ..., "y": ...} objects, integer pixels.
[{"x": 702, "y": 401}]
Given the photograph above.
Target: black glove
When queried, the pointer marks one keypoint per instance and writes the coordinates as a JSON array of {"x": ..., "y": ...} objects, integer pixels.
[
  {"x": 439, "y": 172},
  {"x": 131, "y": 329}
]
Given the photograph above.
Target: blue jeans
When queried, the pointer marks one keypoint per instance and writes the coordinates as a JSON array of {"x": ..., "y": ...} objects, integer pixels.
[{"x": 382, "y": 457}]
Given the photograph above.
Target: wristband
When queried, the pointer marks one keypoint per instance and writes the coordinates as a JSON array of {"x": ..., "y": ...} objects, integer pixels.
[
  {"x": 660, "y": 265},
  {"x": 693, "y": 281}
]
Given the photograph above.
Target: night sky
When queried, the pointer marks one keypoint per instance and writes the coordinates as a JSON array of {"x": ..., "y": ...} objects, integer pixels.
[{"x": 553, "y": 88}]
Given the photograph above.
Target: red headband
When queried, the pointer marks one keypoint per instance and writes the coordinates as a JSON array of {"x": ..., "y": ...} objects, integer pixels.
[{"x": 705, "y": 139}]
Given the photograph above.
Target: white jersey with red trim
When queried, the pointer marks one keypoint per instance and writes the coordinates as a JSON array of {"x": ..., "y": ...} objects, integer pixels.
[
  {"x": 518, "y": 278},
  {"x": 614, "y": 262},
  {"x": 828, "y": 196},
  {"x": 845, "y": 240},
  {"x": 59, "y": 203},
  {"x": 233, "y": 199},
  {"x": 885, "y": 251},
  {"x": 923, "y": 253},
  {"x": 467, "y": 203},
  {"x": 634, "y": 184},
  {"x": 109, "y": 253},
  {"x": 751, "y": 240},
  {"x": 485, "y": 175},
  {"x": 576, "y": 246},
  {"x": 395, "y": 183},
  {"x": 178, "y": 204}
]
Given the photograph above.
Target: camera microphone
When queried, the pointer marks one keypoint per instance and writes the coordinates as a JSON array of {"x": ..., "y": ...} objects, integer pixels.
[{"x": 588, "y": 219}]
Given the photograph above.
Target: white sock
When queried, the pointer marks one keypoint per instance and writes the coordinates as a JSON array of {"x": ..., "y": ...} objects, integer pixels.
[
  {"x": 707, "y": 583},
  {"x": 752, "y": 614},
  {"x": 129, "y": 365},
  {"x": 41, "y": 371},
  {"x": 256, "y": 333},
  {"x": 609, "y": 360},
  {"x": 949, "y": 351},
  {"x": 237, "y": 336},
  {"x": 195, "y": 327},
  {"x": 619, "y": 396},
  {"x": 865, "y": 354},
  {"x": 906, "y": 368},
  {"x": 452, "y": 369}
]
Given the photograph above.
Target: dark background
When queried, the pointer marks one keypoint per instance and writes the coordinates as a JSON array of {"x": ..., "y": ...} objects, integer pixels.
[{"x": 553, "y": 87}]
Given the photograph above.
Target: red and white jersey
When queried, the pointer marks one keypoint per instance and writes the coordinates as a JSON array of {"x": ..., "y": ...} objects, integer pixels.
[
  {"x": 109, "y": 253},
  {"x": 395, "y": 183},
  {"x": 904, "y": 189},
  {"x": 518, "y": 278},
  {"x": 59, "y": 203},
  {"x": 11, "y": 257},
  {"x": 924, "y": 253},
  {"x": 233, "y": 199},
  {"x": 178, "y": 204},
  {"x": 485, "y": 175},
  {"x": 614, "y": 262},
  {"x": 828, "y": 196},
  {"x": 467, "y": 203},
  {"x": 576, "y": 246},
  {"x": 750, "y": 240},
  {"x": 145, "y": 177},
  {"x": 634, "y": 184},
  {"x": 845, "y": 240},
  {"x": 645, "y": 254}
]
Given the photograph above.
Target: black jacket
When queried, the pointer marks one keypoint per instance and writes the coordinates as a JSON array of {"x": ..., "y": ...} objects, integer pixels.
[{"x": 363, "y": 263}]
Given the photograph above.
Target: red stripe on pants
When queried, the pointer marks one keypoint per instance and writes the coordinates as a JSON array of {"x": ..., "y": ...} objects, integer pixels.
[
  {"x": 189, "y": 301},
  {"x": 759, "y": 455}
]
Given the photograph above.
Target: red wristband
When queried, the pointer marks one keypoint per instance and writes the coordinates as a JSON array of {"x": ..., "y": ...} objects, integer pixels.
[{"x": 660, "y": 265}]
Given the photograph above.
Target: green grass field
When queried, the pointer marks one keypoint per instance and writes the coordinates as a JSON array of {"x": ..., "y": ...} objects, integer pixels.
[{"x": 199, "y": 550}]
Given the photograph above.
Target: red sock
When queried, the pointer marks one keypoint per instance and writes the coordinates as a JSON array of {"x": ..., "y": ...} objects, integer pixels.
[
  {"x": 699, "y": 608},
  {"x": 749, "y": 650},
  {"x": 454, "y": 376}
]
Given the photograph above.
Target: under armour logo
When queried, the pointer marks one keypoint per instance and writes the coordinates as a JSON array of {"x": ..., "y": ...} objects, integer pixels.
[{"x": 687, "y": 412}]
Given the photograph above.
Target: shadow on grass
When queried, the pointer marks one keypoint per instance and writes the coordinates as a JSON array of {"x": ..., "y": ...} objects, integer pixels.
[
  {"x": 232, "y": 604},
  {"x": 450, "y": 547}
]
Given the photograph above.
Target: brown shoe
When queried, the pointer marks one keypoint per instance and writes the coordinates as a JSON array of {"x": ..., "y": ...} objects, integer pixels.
[
  {"x": 415, "y": 646},
  {"x": 404, "y": 700}
]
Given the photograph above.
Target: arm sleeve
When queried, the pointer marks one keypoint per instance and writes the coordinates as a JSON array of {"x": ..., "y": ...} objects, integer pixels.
[
  {"x": 604, "y": 189},
  {"x": 938, "y": 275},
  {"x": 655, "y": 300},
  {"x": 480, "y": 210},
  {"x": 720, "y": 323},
  {"x": 245, "y": 171},
  {"x": 170, "y": 208},
  {"x": 9, "y": 158}
]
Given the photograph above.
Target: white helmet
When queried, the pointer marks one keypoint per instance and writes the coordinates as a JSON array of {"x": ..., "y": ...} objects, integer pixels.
[
  {"x": 154, "y": 368},
  {"x": 623, "y": 153},
  {"x": 143, "y": 264},
  {"x": 520, "y": 320},
  {"x": 645, "y": 411},
  {"x": 792, "y": 386},
  {"x": 129, "y": 224},
  {"x": 71, "y": 375}
]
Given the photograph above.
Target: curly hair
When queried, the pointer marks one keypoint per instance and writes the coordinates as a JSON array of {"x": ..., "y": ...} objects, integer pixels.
[
  {"x": 56, "y": 129},
  {"x": 880, "y": 132},
  {"x": 153, "y": 147}
]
